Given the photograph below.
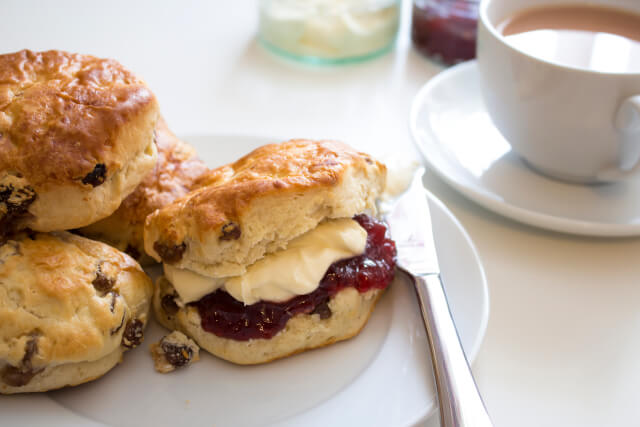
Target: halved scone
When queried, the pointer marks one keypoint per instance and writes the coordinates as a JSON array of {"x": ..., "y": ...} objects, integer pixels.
[{"x": 274, "y": 254}]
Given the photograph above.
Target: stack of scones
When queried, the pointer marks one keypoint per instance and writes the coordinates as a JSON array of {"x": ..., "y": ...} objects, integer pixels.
[
  {"x": 274, "y": 254},
  {"x": 82, "y": 148}
]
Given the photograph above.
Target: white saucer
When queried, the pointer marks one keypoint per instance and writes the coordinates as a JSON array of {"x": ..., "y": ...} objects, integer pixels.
[
  {"x": 382, "y": 377},
  {"x": 460, "y": 143}
]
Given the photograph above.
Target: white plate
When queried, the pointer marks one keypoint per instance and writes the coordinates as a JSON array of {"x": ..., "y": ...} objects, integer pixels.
[
  {"x": 380, "y": 378},
  {"x": 451, "y": 127}
]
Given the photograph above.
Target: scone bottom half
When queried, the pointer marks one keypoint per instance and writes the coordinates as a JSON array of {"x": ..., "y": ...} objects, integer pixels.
[
  {"x": 69, "y": 308},
  {"x": 249, "y": 334}
]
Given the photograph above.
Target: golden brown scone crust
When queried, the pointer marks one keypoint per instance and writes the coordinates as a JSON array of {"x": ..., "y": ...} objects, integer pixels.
[
  {"x": 350, "y": 311},
  {"x": 61, "y": 112},
  {"x": 241, "y": 211},
  {"x": 71, "y": 121},
  {"x": 71, "y": 300},
  {"x": 173, "y": 176}
]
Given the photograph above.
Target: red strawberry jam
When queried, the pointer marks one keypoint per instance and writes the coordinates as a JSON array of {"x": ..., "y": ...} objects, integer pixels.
[
  {"x": 445, "y": 29},
  {"x": 226, "y": 317}
]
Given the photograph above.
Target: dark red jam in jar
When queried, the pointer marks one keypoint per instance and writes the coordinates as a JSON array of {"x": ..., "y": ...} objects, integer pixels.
[
  {"x": 226, "y": 317},
  {"x": 445, "y": 30}
]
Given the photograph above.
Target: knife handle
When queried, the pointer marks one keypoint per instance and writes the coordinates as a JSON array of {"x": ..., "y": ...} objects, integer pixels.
[{"x": 458, "y": 396}]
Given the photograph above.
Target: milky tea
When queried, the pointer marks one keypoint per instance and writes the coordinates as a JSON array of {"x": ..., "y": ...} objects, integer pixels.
[{"x": 588, "y": 37}]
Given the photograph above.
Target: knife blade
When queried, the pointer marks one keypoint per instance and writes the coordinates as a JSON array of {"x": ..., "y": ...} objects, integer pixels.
[{"x": 410, "y": 225}]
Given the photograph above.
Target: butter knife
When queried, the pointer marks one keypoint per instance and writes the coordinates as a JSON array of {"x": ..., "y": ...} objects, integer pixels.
[{"x": 409, "y": 221}]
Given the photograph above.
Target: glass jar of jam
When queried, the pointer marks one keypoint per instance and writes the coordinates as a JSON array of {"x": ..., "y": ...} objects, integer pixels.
[{"x": 445, "y": 30}]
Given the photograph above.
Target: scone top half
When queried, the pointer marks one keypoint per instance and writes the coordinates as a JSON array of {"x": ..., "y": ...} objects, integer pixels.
[
  {"x": 255, "y": 206},
  {"x": 76, "y": 137}
]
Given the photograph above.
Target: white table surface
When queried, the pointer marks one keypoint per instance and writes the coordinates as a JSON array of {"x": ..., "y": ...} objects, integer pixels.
[{"x": 564, "y": 331}]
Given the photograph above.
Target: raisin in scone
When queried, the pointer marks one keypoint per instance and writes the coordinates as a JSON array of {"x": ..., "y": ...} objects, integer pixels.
[
  {"x": 76, "y": 138},
  {"x": 69, "y": 308},
  {"x": 172, "y": 177},
  {"x": 274, "y": 254}
]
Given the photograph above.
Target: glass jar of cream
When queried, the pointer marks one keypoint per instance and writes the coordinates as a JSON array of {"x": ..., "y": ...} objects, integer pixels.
[{"x": 329, "y": 31}]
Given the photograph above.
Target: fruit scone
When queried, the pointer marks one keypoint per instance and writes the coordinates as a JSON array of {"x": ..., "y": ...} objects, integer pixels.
[
  {"x": 76, "y": 138},
  {"x": 172, "y": 177},
  {"x": 274, "y": 254},
  {"x": 69, "y": 308}
]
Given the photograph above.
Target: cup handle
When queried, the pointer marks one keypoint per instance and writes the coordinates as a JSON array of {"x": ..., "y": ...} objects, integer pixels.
[{"x": 627, "y": 122}]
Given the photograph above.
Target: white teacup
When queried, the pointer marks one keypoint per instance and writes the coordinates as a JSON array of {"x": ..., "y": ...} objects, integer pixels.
[{"x": 567, "y": 122}]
